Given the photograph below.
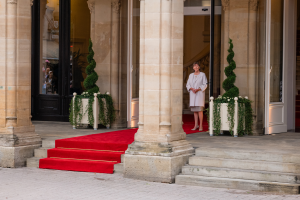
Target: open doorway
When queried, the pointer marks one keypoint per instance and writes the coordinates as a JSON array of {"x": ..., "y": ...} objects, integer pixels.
[{"x": 197, "y": 38}]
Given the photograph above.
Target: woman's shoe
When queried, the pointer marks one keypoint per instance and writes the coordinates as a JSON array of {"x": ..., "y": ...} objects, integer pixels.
[
  {"x": 200, "y": 129},
  {"x": 195, "y": 128}
]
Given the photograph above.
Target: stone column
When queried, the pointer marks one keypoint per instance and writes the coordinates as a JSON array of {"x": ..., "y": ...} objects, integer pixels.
[
  {"x": 253, "y": 76},
  {"x": 17, "y": 135},
  {"x": 115, "y": 36},
  {"x": 160, "y": 149}
]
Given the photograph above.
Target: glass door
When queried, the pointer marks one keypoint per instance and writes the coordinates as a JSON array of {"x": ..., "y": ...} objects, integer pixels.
[
  {"x": 275, "y": 101},
  {"x": 60, "y": 37}
]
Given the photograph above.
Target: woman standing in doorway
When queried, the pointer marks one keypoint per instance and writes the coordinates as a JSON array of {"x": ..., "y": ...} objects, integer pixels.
[{"x": 196, "y": 85}]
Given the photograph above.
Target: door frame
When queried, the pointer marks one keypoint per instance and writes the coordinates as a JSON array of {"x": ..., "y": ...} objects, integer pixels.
[
  {"x": 272, "y": 107},
  {"x": 61, "y": 101}
]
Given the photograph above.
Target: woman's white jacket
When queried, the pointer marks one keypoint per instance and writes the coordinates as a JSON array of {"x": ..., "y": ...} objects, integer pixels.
[{"x": 200, "y": 82}]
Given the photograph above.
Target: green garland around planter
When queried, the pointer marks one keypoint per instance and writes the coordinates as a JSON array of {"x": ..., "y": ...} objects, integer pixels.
[
  {"x": 77, "y": 111},
  {"x": 109, "y": 112},
  {"x": 245, "y": 120},
  {"x": 106, "y": 115}
]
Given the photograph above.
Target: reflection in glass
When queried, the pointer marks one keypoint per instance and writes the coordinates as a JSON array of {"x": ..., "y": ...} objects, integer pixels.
[
  {"x": 276, "y": 50},
  {"x": 79, "y": 42},
  {"x": 191, "y": 3},
  {"x": 135, "y": 49},
  {"x": 49, "y": 30}
]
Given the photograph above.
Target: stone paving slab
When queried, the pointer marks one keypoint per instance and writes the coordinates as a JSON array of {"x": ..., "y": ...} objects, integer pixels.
[{"x": 33, "y": 183}]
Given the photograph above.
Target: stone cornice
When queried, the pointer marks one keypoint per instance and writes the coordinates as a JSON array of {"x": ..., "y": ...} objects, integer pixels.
[
  {"x": 116, "y": 4},
  {"x": 91, "y": 5},
  {"x": 12, "y": 2},
  {"x": 225, "y": 4},
  {"x": 254, "y": 5}
]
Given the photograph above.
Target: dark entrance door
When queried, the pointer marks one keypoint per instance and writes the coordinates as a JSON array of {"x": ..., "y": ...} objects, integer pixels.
[{"x": 50, "y": 60}]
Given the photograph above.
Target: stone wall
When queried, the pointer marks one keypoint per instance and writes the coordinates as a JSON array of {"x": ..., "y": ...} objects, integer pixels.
[
  {"x": 240, "y": 23},
  {"x": 106, "y": 20}
]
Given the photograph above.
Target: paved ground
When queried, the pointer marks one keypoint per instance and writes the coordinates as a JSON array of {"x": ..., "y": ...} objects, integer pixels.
[{"x": 32, "y": 184}]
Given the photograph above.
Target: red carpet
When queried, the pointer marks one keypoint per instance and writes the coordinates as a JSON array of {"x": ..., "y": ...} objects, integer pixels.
[{"x": 98, "y": 152}]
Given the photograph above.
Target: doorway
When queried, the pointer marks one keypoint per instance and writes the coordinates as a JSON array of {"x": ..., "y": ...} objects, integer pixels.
[
  {"x": 197, "y": 46},
  {"x": 60, "y": 39}
]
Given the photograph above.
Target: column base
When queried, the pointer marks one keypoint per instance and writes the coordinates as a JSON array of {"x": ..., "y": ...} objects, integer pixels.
[
  {"x": 17, "y": 144},
  {"x": 154, "y": 168},
  {"x": 11, "y": 157}
]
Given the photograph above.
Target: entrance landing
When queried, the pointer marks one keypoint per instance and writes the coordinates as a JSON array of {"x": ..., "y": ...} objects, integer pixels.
[{"x": 277, "y": 143}]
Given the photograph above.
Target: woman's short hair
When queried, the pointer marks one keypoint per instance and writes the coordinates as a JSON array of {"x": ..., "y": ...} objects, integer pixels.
[{"x": 196, "y": 63}]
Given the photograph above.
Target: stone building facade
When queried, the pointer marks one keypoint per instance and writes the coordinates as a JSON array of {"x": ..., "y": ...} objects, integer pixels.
[{"x": 143, "y": 55}]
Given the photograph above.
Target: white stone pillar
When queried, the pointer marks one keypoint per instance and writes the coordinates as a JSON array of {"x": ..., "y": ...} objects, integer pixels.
[
  {"x": 17, "y": 135},
  {"x": 160, "y": 149}
]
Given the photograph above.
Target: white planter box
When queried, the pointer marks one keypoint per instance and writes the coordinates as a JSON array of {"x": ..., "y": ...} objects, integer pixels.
[
  {"x": 224, "y": 118},
  {"x": 85, "y": 119}
]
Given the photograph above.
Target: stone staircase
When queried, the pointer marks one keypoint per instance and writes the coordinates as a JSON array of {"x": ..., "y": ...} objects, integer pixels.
[
  {"x": 50, "y": 144},
  {"x": 243, "y": 169},
  {"x": 40, "y": 152}
]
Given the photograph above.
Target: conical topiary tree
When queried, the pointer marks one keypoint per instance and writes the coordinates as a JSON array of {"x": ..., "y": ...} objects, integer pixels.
[
  {"x": 228, "y": 84},
  {"x": 92, "y": 77}
]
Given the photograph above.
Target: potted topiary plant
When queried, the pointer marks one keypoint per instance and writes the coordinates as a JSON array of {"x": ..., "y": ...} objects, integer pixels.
[
  {"x": 230, "y": 112},
  {"x": 91, "y": 107}
]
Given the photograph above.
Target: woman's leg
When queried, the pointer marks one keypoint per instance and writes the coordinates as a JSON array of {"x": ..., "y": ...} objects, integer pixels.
[
  {"x": 196, "y": 119},
  {"x": 201, "y": 119}
]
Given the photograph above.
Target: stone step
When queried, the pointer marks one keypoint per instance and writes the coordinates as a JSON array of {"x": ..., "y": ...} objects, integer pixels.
[
  {"x": 119, "y": 168},
  {"x": 241, "y": 174},
  {"x": 122, "y": 158},
  {"x": 245, "y": 164},
  {"x": 48, "y": 144},
  {"x": 262, "y": 186},
  {"x": 41, "y": 153},
  {"x": 33, "y": 162},
  {"x": 247, "y": 155}
]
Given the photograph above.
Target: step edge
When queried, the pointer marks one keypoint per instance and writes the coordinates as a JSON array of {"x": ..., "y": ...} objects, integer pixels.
[
  {"x": 234, "y": 179},
  {"x": 243, "y": 170},
  {"x": 241, "y": 160}
]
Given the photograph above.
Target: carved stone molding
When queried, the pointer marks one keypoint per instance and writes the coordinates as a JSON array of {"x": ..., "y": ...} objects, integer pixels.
[
  {"x": 254, "y": 5},
  {"x": 91, "y": 5},
  {"x": 116, "y": 4},
  {"x": 31, "y": 2},
  {"x": 11, "y": 1},
  {"x": 225, "y": 4}
]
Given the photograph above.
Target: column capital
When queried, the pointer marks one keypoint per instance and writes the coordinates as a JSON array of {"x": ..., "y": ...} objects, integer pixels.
[
  {"x": 225, "y": 4},
  {"x": 254, "y": 5},
  {"x": 116, "y": 4},
  {"x": 91, "y": 5},
  {"x": 12, "y": 2}
]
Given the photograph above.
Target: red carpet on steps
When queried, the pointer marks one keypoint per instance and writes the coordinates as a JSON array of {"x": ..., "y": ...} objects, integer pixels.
[{"x": 98, "y": 152}]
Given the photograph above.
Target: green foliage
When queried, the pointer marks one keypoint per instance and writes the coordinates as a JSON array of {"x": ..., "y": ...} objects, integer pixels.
[
  {"x": 217, "y": 118},
  {"x": 245, "y": 112},
  {"x": 106, "y": 113},
  {"x": 76, "y": 113},
  {"x": 228, "y": 84},
  {"x": 92, "y": 77}
]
